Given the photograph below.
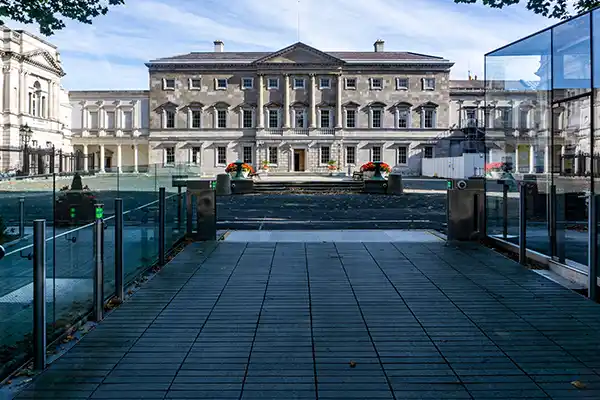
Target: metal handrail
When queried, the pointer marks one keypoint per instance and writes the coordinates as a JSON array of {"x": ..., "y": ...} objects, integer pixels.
[{"x": 83, "y": 227}]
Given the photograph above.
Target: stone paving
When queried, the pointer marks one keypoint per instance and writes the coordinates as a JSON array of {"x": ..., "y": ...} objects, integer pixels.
[{"x": 266, "y": 320}]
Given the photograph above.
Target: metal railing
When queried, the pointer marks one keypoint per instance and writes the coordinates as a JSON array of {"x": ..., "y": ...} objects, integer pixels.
[{"x": 37, "y": 254}]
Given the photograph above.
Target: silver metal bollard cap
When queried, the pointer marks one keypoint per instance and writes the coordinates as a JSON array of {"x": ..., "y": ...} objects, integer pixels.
[{"x": 2, "y": 252}]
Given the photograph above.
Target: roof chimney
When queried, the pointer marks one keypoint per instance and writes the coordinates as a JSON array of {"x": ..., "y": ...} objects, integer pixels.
[
  {"x": 378, "y": 45},
  {"x": 219, "y": 45}
]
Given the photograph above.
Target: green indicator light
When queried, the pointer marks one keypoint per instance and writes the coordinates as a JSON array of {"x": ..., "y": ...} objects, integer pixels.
[
  {"x": 72, "y": 210},
  {"x": 449, "y": 184},
  {"x": 99, "y": 212},
  {"x": 213, "y": 184}
]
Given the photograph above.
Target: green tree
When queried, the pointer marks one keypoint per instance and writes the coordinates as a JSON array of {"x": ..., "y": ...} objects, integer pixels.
[
  {"x": 48, "y": 14},
  {"x": 547, "y": 8}
]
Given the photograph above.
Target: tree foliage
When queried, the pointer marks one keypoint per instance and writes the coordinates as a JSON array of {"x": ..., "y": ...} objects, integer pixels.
[
  {"x": 547, "y": 8},
  {"x": 49, "y": 14}
]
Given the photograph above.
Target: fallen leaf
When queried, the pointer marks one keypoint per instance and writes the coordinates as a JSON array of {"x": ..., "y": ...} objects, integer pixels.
[
  {"x": 579, "y": 384},
  {"x": 352, "y": 364}
]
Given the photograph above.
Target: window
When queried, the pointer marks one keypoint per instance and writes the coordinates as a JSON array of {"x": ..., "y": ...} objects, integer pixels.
[
  {"x": 170, "y": 159},
  {"x": 43, "y": 107},
  {"x": 401, "y": 83},
  {"x": 110, "y": 120},
  {"x": 402, "y": 155},
  {"x": 376, "y": 118},
  {"x": 273, "y": 118},
  {"x": 403, "y": 118},
  {"x": 325, "y": 83},
  {"x": 195, "y": 152},
  {"x": 350, "y": 118},
  {"x": 273, "y": 155},
  {"x": 170, "y": 119},
  {"x": 350, "y": 83},
  {"x": 196, "y": 119},
  {"x": 428, "y": 83},
  {"x": 247, "y": 83},
  {"x": 221, "y": 155},
  {"x": 523, "y": 116},
  {"x": 247, "y": 120},
  {"x": 169, "y": 84},
  {"x": 221, "y": 83},
  {"x": 247, "y": 154},
  {"x": 299, "y": 83},
  {"x": 351, "y": 155},
  {"x": 325, "y": 118},
  {"x": 195, "y": 83},
  {"x": 428, "y": 118},
  {"x": 376, "y": 154},
  {"x": 221, "y": 118},
  {"x": 428, "y": 152},
  {"x": 94, "y": 119},
  {"x": 325, "y": 154},
  {"x": 299, "y": 118},
  {"x": 376, "y": 83},
  {"x": 128, "y": 119},
  {"x": 507, "y": 117},
  {"x": 273, "y": 83},
  {"x": 471, "y": 112}
]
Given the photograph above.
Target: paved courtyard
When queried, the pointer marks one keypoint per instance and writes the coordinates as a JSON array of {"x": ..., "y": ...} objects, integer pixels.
[{"x": 376, "y": 320}]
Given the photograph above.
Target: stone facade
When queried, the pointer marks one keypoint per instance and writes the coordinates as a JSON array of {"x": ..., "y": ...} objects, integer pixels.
[
  {"x": 31, "y": 94},
  {"x": 110, "y": 129}
]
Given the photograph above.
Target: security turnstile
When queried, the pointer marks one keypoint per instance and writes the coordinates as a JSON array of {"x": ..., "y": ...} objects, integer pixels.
[
  {"x": 201, "y": 198},
  {"x": 465, "y": 209}
]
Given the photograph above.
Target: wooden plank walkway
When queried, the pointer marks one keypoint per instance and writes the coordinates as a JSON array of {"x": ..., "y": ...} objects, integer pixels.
[{"x": 337, "y": 320}]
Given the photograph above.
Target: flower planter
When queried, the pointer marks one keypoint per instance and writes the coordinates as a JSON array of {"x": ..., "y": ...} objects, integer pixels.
[
  {"x": 368, "y": 174},
  {"x": 495, "y": 174},
  {"x": 245, "y": 174}
]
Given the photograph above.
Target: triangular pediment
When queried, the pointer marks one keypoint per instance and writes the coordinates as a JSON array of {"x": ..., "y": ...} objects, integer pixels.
[
  {"x": 351, "y": 104},
  {"x": 195, "y": 105},
  {"x": 299, "y": 53},
  {"x": 45, "y": 59},
  {"x": 169, "y": 105}
]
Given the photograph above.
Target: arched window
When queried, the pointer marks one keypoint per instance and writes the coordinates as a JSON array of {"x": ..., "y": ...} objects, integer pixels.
[{"x": 36, "y": 99}]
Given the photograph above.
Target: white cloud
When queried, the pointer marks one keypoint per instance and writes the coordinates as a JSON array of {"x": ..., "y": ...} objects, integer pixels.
[{"x": 111, "y": 52}]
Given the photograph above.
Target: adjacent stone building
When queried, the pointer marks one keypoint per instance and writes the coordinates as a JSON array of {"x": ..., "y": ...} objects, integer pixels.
[{"x": 32, "y": 96}]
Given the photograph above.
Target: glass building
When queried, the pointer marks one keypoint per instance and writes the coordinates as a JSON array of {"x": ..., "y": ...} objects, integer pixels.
[{"x": 541, "y": 112}]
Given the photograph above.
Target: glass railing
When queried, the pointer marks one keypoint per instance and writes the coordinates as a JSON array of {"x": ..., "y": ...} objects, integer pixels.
[{"x": 71, "y": 264}]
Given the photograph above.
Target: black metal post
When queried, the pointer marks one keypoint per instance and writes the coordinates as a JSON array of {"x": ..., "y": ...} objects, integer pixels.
[
  {"x": 119, "y": 277},
  {"x": 22, "y": 217},
  {"x": 99, "y": 264},
  {"x": 523, "y": 223},
  {"x": 504, "y": 210},
  {"x": 161, "y": 225},
  {"x": 39, "y": 294},
  {"x": 25, "y": 159},
  {"x": 593, "y": 249},
  {"x": 189, "y": 210},
  {"x": 179, "y": 208}
]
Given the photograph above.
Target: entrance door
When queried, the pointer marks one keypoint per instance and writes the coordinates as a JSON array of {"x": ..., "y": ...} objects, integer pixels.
[{"x": 299, "y": 158}]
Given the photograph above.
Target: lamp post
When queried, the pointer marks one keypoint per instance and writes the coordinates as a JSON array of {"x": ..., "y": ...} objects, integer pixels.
[{"x": 25, "y": 135}]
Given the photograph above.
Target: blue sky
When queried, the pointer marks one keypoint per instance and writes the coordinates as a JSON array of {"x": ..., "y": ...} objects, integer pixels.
[{"x": 110, "y": 54}]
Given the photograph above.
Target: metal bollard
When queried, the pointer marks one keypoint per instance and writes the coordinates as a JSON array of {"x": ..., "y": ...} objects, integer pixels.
[
  {"x": 119, "y": 277},
  {"x": 592, "y": 248},
  {"x": 21, "y": 217},
  {"x": 523, "y": 223},
  {"x": 99, "y": 264},
  {"x": 39, "y": 294},
  {"x": 504, "y": 210},
  {"x": 162, "y": 203}
]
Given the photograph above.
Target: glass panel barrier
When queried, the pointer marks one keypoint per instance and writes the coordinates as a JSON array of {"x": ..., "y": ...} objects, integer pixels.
[
  {"x": 140, "y": 236},
  {"x": 16, "y": 308},
  {"x": 109, "y": 257},
  {"x": 571, "y": 61},
  {"x": 72, "y": 287},
  {"x": 517, "y": 87}
]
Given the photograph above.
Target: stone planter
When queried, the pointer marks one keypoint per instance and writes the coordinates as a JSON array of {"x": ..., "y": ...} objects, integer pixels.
[
  {"x": 369, "y": 174},
  {"x": 245, "y": 174}
]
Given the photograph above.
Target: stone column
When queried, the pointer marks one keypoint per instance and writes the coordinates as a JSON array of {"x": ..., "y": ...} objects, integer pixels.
[
  {"x": 135, "y": 158},
  {"x": 102, "y": 160},
  {"x": 85, "y": 158},
  {"x": 22, "y": 91},
  {"x": 286, "y": 101},
  {"x": 338, "y": 105},
  {"x": 313, "y": 101},
  {"x": 261, "y": 102},
  {"x": 119, "y": 159},
  {"x": 531, "y": 159}
]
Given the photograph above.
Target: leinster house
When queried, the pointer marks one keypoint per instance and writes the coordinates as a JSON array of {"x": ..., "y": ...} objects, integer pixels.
[{"x": 297, "y": 109}]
